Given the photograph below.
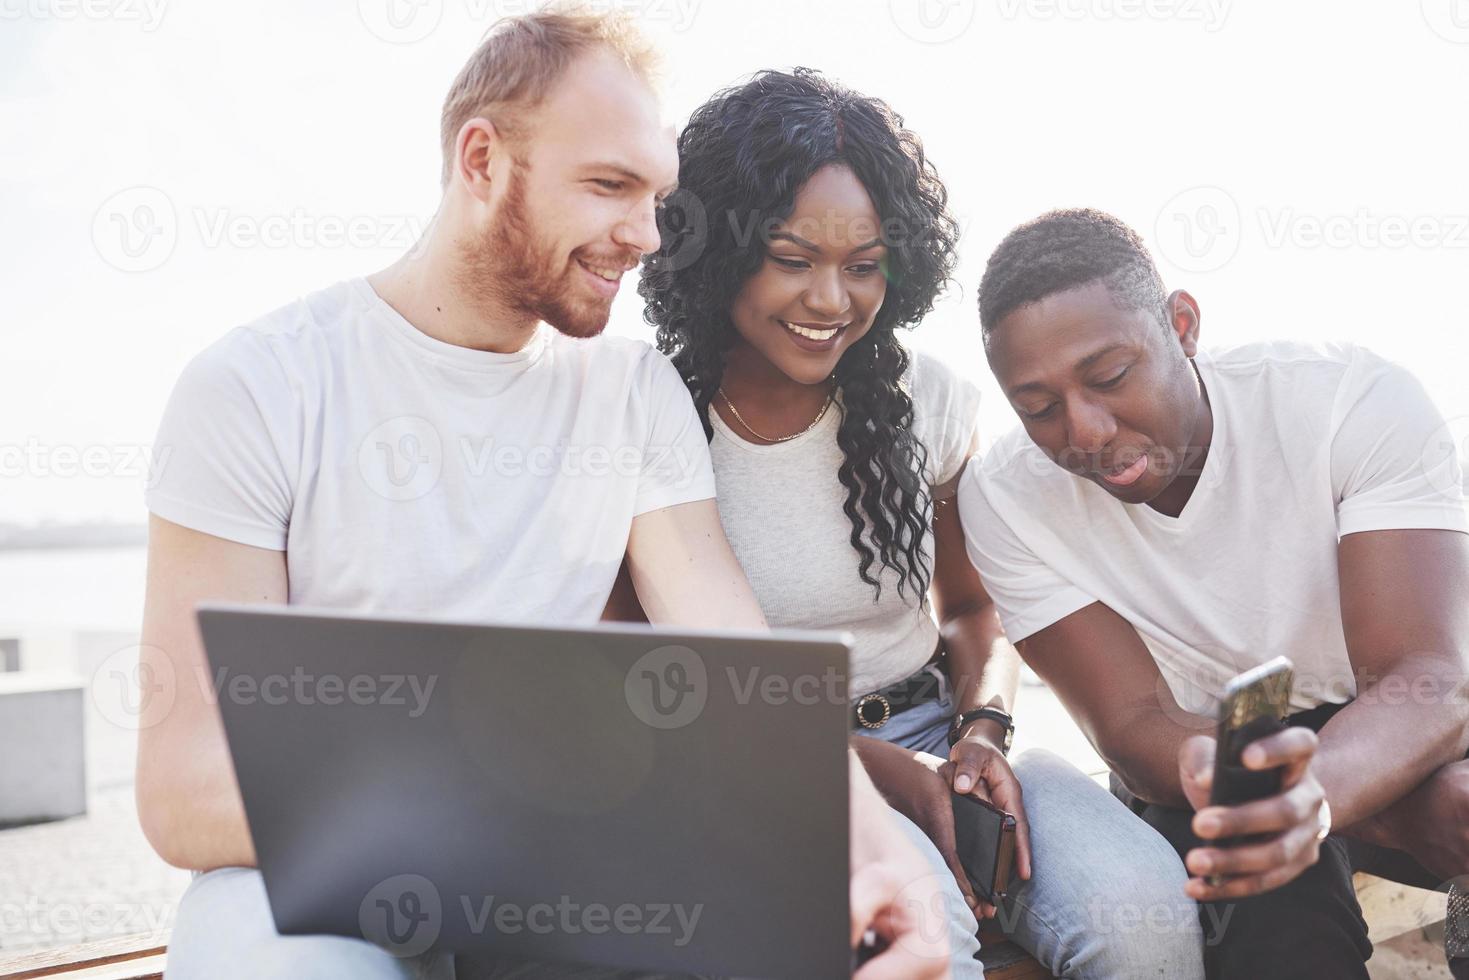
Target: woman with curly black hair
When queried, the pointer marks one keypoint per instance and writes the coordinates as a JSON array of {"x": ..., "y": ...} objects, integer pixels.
[{"x": 808, "y": 229}]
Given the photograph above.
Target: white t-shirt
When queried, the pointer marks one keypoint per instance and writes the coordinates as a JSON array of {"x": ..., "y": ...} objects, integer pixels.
[
  {"x": 1310, "y": 444},
  {"x": 781, "y": 506},
  {"x": 400, "y": 473}
]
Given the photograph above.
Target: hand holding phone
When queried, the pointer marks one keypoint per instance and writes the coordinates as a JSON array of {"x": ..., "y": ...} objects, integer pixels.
[
  {"x": 1258, "y": 805},
  {"x": 1254, "y": 706},
  {"x": 984, "y": 838}
]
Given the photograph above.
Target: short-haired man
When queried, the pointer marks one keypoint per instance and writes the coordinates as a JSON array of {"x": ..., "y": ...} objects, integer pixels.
[
  {"x": 1193, "y": 513},
  {"x": 334, "y": 453}
]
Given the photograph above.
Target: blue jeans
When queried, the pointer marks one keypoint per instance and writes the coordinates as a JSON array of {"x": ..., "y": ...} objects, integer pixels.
[{"x": 1105, "y": 900}]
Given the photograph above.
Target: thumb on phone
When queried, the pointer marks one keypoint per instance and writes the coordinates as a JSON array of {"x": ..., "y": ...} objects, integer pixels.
[{"x": 1196, "y": 769}]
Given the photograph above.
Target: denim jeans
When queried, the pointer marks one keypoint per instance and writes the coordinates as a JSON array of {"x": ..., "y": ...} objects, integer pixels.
[{"x": 1105, "y": 900}]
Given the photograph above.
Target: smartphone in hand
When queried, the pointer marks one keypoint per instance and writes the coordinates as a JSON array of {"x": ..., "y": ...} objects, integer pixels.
[
  {"x": 1255, "y": 705},
  {"x": 984, "y": 837}
]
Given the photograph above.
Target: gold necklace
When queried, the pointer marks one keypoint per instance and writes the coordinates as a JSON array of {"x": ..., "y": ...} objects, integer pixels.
[{"x": 795, "y": 435}]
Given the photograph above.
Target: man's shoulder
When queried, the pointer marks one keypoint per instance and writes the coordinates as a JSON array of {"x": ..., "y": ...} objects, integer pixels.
[
  {"x": 1288, "y": 360},
  {"x": 1315, "y": 379},
  {"x": 282, "y": 335},
  {"x": 1014, "y": 477}
]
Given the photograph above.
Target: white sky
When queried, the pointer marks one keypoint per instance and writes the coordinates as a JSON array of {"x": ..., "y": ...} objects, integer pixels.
[{"x": 284, "y": 118}]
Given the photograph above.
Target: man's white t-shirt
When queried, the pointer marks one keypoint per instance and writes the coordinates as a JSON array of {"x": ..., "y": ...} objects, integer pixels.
[
  {"x": 400, "y": 473},
  {"x": 1310, "y": 444}
]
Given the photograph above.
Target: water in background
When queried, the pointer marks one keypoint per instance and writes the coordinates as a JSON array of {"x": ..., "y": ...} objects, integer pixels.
[{"x": 72, "y": 588}]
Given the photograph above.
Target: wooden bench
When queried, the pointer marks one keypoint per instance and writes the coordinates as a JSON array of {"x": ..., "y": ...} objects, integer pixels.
[{"x": 123, "y": 958}]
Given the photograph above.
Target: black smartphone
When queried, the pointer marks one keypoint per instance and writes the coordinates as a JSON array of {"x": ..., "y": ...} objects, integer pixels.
[
  {"x": 985, "y": 839},
  {"x": 1255, "y": 704}
]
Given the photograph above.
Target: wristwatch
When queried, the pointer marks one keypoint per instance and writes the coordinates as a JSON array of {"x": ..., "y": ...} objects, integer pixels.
[{"x": 964, "y": 720}]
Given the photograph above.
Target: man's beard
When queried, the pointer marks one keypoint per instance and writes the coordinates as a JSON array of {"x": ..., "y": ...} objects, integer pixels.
[{"x": 516, "y": 271}]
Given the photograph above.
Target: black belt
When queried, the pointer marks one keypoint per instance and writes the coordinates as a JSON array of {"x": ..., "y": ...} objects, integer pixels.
[{"x": 873, "y": 710}]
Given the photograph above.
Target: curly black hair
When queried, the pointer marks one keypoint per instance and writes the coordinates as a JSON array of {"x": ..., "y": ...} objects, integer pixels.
[
  {"x": 1064, "y": 249},
  {"x": 743, "y": 157}
]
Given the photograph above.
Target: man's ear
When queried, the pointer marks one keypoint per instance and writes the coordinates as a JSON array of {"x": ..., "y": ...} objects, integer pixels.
[
  {"x": 476, "y": 148},
  {"x": 1183, "y": 320}
]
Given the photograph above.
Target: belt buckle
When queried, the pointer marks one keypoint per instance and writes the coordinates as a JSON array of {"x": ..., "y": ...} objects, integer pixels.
[{"x": 863, "y": 710}]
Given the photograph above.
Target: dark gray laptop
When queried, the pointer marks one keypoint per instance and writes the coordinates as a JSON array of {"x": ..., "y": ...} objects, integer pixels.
[{"x": 613, "y": 795}]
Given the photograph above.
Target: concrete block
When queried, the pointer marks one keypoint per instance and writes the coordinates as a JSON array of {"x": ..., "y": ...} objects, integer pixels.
[{"x": 43, "y": 768}]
